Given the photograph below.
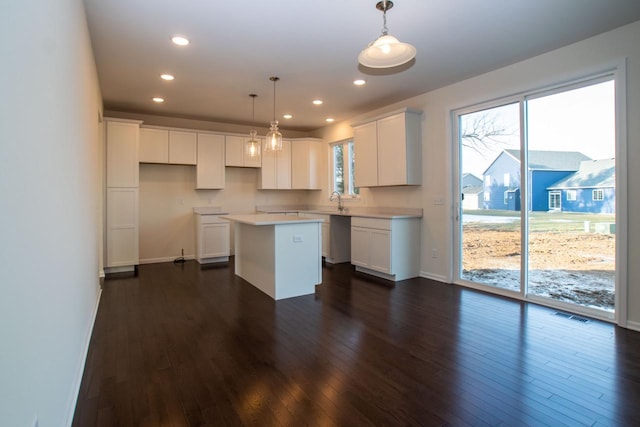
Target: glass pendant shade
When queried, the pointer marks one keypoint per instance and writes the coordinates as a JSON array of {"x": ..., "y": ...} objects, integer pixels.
[
  {"x": 273, "y": 140},
  {"x": 252, "y": 145},
  {"x": 386, "y": 51}
]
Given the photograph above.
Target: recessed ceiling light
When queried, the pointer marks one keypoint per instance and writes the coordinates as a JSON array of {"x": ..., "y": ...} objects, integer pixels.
[
  {"x": 329, "y": 120},
  {"x": 359, "y": 82},
  {"x": 287, "y": 116},
  {"x": 158, "y": 99},
  {"x": 180, "y": 40},
  {"x": 317, "y": 102},
  {"x": 167, "y": 77}
]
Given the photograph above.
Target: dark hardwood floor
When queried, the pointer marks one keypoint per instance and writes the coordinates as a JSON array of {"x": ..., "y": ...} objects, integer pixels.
[{"x": 185, "y": 345}]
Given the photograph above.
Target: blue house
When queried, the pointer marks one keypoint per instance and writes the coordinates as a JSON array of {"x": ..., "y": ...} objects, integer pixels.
[
  {"x": 501, "y": 183},
  {"x": 590, "y": 189}
]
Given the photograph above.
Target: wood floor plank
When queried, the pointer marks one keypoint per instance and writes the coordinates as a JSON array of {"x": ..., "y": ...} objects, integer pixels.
[{"x": 191, "y": 345}]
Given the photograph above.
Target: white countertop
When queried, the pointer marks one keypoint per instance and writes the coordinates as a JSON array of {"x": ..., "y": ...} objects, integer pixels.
[
  {"x": 269, "y": 219},
  {"x": 209, "y": 210},
  {"x": 382, "y": 215}
]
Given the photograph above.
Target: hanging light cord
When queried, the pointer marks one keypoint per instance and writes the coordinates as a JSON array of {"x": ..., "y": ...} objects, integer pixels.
[
  {"x": 274, "y": 79},
  {"x": 385, "y": 30}
]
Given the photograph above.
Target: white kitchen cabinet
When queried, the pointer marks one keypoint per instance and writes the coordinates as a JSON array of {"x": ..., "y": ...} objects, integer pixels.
[
  {"x": 306, "y": 164},
  {"x": 388, "y": 150},
  {"x": 275, "y": 173},
  {"x": 212, "y": 239},
  {"x": 167, "y": 146},
  {"x": 122, "y": 139},
  {"x": 154, "y": 145},
  {"x": 210, "y": 164},
  {"x": 182, "y": 147},
  {"x": 122, "y": 152},
  {"x": 235, "y": 153},
  {"x": 387, "y": 248},
  {"x": 122, "y": 227},
  {"x": 365, "y": 147}
]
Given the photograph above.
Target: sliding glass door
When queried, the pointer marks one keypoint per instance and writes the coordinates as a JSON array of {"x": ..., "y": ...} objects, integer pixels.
[
  {"x": 572, "y": 219},
  {"x": 490, "y": 215},
  {"x": 537, "y": 196}
]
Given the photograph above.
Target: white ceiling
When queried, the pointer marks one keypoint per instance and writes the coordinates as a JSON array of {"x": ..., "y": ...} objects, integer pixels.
[{"x": 312, "y": 46}]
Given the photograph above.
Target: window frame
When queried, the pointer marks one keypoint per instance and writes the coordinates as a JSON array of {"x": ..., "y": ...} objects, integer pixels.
[
  {"x": 597, "y": 195},
  {"x": 351, "y": 190}
]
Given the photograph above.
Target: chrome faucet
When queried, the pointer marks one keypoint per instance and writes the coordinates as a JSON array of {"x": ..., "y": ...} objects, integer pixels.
[{"x": 335, "y": 193}]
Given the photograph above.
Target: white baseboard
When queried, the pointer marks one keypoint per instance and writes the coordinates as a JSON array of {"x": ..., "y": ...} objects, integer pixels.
[
  {"x": 634, "y": 326},
  {"x": 436, "y": 277},
  {"x": 163, "y": 259},
  {"x": 75, "y": 390}
]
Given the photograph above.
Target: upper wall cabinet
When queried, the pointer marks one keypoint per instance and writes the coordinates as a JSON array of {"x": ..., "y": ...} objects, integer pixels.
[
  {"x": 235, "y": 154},
  {"x": 305, "y": 164},
  {"x": 210, "y": 167},
  {"x": 388, "y": 150},
  {"x": 122, "y": 152},
  {"x": 275, "y": 173},
  {"x": 167, "y": 146}
]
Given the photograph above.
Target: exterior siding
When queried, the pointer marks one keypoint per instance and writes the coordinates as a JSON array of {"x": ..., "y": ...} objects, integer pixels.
[
  {"x": 540, "y": 180},
  {"x": 584, "y": 201}
]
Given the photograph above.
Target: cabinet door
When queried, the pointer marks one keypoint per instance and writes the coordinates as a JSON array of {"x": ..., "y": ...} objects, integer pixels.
[
  {"x": 122, "y": 154},
  {"x": 234, "y": 151},
  {"x": 182, "y": 147},
  {"x": 366, "y": 153},
  {"x": 210, "y": 166},
  {"x": 305, "y": 169},
  {"x": 380, "y": 250},
  {"x": 268, "y": 174},
  {"x": 154, "y": 146},
  {"x": 392, "y": 150},
  {"x": 360, "y": 246},
  {"x": 283, "y": 166},
  {"x": 122, "y": 227},
  {"x": 215, "y": 240}
]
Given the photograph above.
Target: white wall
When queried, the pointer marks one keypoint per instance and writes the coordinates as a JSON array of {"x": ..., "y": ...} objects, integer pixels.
[
  {"x": 50, "y": 180},
  {"x": 577, "y": 60}
]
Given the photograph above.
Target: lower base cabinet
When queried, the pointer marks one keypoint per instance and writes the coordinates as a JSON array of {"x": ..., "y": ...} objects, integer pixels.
[
  {"x": 212, "y": 239},
  {"x": 387, "y": 248}
]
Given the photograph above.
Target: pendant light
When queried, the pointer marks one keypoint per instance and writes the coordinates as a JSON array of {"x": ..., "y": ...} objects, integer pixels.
[
  {"x": 252, "y": 145},
  {"x": 273, "y": 141},
  {"x": 386, "y": 51}
]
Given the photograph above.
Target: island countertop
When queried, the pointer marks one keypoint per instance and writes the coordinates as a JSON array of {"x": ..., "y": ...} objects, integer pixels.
[{"x": 267, "y": 219}]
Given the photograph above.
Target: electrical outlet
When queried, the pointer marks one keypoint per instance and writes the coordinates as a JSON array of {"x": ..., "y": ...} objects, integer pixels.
[
  {"x": 297, "y": 238},
  {"x": 438, "y": 201},
  {"x": 434, "y": 253}
]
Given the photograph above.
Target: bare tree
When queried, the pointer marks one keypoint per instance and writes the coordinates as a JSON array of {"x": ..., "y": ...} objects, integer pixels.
[{"x": 483, "y": 130}]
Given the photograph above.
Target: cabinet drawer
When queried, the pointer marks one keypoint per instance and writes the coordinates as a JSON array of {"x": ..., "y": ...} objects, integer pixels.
[{"x": 378, "y": 223}]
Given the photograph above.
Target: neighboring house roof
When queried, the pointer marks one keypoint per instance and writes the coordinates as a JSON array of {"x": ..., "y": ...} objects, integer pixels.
[
  {"x": 591, "y": 174},
  {"x": 547, "y": 160},
  {"x": 472, "y": 189},
  {"x": 469, "y": 180},
  {"x": 552, "y": 160}
]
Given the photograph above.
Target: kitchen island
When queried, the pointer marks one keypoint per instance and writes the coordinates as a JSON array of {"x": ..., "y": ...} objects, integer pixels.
[{"x": 278, "y": 254}]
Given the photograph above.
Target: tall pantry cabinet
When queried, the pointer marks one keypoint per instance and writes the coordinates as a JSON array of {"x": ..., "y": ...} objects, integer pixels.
[{"x": 122, "y": 139}]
